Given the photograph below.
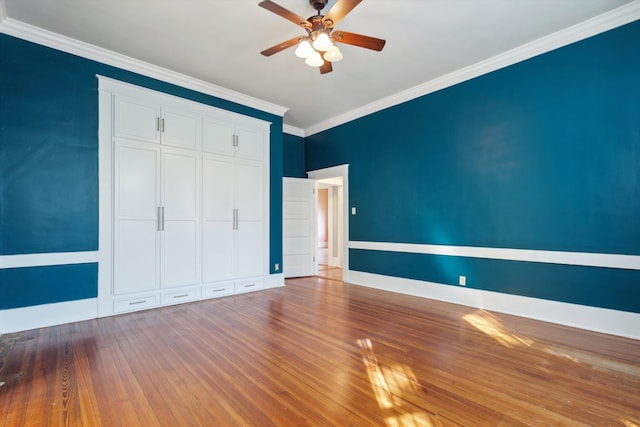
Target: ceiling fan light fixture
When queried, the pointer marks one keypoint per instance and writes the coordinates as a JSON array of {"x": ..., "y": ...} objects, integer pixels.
[
  {"x": 322, "y": 42},
  {"x": 304, "y": 49},
  {"x": 333, "y": 54},
  {"x": 314, "y": 60}
]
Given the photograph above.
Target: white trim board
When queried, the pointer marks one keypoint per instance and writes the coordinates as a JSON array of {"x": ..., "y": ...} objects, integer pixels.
[
  {"x": 66, "y": 44},
  {"x": 631, "y": 262},
  {"x": 45, "y": 315},
  {"x": 595, "y": 319},
  {"x": 39, "y": 260},
  {"x": 607, "y": 21}
]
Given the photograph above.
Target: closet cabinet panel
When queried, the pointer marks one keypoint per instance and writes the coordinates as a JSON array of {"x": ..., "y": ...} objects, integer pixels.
[
  {"x": 180, "y": 218},
  {"x": 136, "y": 222},
  {"x": 219, "y": 188},
  {"x": 250, "y": 254},
  {"x": 250, "y": 143},
  {"x": 180, "y": 128},
  {"x": 218, "y": 136},
  {"x": 136, "y": 119},
  {"x": 249, "y": 190},
  {"x": 135, "y": 256},
  {"x": 219, "y": 256}
]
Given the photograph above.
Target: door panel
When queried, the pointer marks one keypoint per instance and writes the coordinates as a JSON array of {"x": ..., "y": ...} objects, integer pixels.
[
  {"x": 219, "y": 259},
  {"x": 181, "y": 128},
  {"x": 298, "y": 216},
  {"x": 135, "y": 256},
  {"x": 250, "y": 256},
  {"x": 250, "y": 189},
  {"x": 136, "y": 120},
  {"x": 218, "y": 137},
  {"x": 219, "y": 188},
  {"x": 136, "y": 201},
  {"x": 136, "y": 185},
  {"x": 250, "y": 143},
  {"x": 180, "y": 253}
]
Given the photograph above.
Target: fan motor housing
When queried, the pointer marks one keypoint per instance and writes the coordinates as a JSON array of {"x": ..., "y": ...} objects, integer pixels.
[{"x": 318, "y": 4}]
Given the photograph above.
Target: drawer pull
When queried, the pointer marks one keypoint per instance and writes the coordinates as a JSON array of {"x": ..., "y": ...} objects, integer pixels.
[
  {"x": 137, "y": 302},
  {"x": 181, "y": 296},
  {"x": 218, "y": 290},
  {"x": 250, "y": 286}
]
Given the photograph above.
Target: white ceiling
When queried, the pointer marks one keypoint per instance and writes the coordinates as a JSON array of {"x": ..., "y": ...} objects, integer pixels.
[{"x": 218, "y": 41}]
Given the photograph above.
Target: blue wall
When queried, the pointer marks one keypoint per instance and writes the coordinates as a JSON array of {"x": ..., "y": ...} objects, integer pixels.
[
  {"x": 293, "y": 159},
  {"x": 544, "y": 154},
  {"x": 49, "y": 164}
]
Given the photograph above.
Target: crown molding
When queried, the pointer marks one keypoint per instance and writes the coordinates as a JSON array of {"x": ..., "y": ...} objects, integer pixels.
[
  {"x": 66, "y": 44},
  {"x": 591, "y": 27},
  {"x": 291, "y": 130}
]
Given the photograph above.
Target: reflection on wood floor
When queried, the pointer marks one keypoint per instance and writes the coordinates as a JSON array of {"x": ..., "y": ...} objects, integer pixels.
[
  {"x": 318, "y": 352},
  {"x": 332, "y": 273}
]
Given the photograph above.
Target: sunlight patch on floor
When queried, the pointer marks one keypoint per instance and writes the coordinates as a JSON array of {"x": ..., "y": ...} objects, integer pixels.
[
  {"x": 393, "y": 385},
  {"x": 491, "y": 325}
]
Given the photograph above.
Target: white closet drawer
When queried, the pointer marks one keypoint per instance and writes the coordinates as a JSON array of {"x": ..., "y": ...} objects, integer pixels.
[
  {"x": 218, "y": 290},
  {"x": 183, "y": 295},
  {"x": 121, "y": 305},
  {"x": 248, "y": 286}
]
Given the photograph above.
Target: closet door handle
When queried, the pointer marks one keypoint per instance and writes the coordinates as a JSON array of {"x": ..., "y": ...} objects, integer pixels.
[
  {"x": 162, "y": 125},
  {"x": 163, "y": 218},
  {"x": 157, "y": 124},
  {"x": 158, "y": 218}
]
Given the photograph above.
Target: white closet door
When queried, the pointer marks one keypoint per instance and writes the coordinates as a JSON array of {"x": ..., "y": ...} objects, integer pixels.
[
  {"x": 137, "y": 120},
  {"x": 136, "y": 201},
  {"x": 180, "y": 128},
  {"x": 249, "y": 229},
  {"x": 250, "y": 186},
  {"x": 251, "y": 143},
  {"x": 219, "y": 253},
  {"x": 217, "y": 136},
  {"x": 181, "y": 217}
]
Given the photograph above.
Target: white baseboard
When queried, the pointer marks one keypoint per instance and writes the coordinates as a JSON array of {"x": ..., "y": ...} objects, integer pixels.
[
  {"x": 44, "y": 315},
  {"x": 274, "y": 280},
  {"x": 596, "y": 319}
]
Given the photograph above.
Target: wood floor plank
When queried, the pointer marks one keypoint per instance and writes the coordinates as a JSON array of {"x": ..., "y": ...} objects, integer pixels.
[{"x": 318, "y": 352}]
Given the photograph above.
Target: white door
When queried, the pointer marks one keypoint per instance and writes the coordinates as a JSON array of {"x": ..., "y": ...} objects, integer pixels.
[
  {"x": 249, "y": 205},
  {"x": 180, "y": 228},
  {"x": 136, "y": 217},
  {"x": 217, "y": 136},
  {"x": 180, "y": 128},
  {"x": 250, "y": 143},
  {"x": 219, "y": 258},
  {"x": 134, "y": 119},
  {"x": 299, "y": 231}
]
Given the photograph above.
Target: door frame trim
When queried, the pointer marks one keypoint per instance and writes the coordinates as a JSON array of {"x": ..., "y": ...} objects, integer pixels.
[{"x": 332, "y": 172}]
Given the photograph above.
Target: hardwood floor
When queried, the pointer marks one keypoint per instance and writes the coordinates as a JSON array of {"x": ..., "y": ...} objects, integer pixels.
[{"x": 320, "y": 353}]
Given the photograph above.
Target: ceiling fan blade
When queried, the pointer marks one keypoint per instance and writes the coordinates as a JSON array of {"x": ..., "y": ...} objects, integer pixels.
[
  {"x": 285, "y": 13},
  {"x": 358, "y": 40},
  {"x": 340, "y": 10},
  {"x": 280, "y": 46},
  {"x": 326, "y": 67}
]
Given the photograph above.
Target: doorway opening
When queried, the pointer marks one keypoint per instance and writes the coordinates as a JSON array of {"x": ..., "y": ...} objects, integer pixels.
[
  {"x": 332, "y": 201},
  {"x": 329, "y": 193}
]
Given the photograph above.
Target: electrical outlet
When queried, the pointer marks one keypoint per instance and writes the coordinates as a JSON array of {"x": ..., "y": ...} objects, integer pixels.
[
  {"x": 462, "y": 281},
  {"x": 353, "y": 211},
  {"x": 277, "y": 267}
]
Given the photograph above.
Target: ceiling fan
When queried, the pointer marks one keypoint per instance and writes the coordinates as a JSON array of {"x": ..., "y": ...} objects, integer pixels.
[{"x": 318, "y": 46}]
